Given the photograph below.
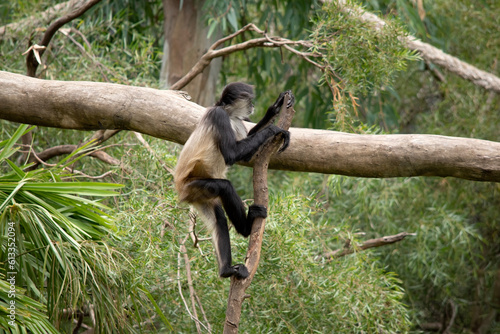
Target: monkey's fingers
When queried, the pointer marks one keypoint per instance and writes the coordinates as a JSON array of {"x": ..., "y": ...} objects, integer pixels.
[
  {"x": 291, "y": 100},
  {"x": 286, "y": 141},
  {"x": 241, "y": 271}
]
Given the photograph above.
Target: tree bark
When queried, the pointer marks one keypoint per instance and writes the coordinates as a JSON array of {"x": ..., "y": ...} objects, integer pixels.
[{"x": 167, "y": 115}]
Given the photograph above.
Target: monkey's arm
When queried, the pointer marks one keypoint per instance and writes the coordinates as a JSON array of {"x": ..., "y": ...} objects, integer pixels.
[
  {"x": 272, "y": 112},
  {"x": 233, "y": 150}
]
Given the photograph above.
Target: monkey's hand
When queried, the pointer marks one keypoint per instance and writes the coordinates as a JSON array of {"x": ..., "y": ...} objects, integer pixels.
[
  {"x": 291, "y": 100},
  {"x": 285, "y": 135},
  {"x": 275, "y": 108},
  {"x": 286, "y": 140}
]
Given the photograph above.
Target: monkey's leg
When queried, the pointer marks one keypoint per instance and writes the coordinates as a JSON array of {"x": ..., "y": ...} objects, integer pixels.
[
  {"x": 223, "y": 247},
  {"x": 233, "y": 205}
]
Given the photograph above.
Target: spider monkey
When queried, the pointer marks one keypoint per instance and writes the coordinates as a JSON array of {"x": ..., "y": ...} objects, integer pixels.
[{"x": 219, "y": 141}]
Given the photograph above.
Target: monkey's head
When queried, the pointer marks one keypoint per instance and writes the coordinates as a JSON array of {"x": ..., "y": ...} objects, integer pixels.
[{"x": 236, "y": 99}]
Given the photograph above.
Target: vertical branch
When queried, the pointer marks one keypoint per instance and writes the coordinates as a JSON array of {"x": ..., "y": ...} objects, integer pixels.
[
  {"x": 261, "y": 197},
  {"x": 37, "y": 51}
]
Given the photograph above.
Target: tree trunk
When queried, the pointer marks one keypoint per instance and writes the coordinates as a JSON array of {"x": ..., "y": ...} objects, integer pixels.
[
  {"x": 185, "y": 42},
  {"x": 167, "y": 115}
]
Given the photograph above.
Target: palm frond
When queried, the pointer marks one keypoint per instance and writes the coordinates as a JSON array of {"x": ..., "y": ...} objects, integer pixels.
[{"x": 60, "y": 258}]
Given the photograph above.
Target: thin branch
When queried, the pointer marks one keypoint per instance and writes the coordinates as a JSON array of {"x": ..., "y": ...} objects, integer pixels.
[
  {"x": 182, "y": 249},
  {"x": 67, "y": 149},
  {"x": 190, "y": 286},
  {"x": 453, "y": 308},
  {"x": 9, "y": 30},
  {"x": 266, "y": 41},
  {"x": 97, "y": 138},
  {"x": 66, "y": 32},
  {"x": 431, "y": 326},
  {"x": 192, "y": 293},
  {"x": 150, "y": 150},
  {"x": 377, "y": 242},
  {"x": 192, "y": 233},
  {"x": 248, "y": 27},
  {"x": 209, "y": 327},
  {"x": 74, "y": 171}
]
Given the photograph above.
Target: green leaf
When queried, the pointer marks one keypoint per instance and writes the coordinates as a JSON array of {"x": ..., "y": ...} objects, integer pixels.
[
  {"x": 231, "y": 17},
  {"x": 7, "y": 150},
  {"x": 80, "y": 188},
  {"x": 157, "y": 308},
  {"x": 212, "y": 28}
]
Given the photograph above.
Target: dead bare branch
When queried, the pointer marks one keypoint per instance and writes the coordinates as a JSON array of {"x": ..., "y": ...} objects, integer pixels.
[
  {"x": 9, "y": 30},
  {"x": 192, "y": 293},
  {"x": 266, "y": 41},
  {"x": 98, "y": 64},
  {"x": 31, "y": 60},
  {"x": 67, "y": 149},
  {"x": 377, "y": 242},
  {"x": 453, "y": 309}
]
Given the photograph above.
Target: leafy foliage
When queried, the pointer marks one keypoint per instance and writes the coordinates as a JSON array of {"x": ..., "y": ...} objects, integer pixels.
[
  {"x": 55, "y": 236},
  {"x": 358, "y": 57},
  {"x": 30, "y": 314}
]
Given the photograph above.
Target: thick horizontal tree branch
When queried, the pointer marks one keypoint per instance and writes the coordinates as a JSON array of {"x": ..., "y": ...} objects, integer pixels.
[{"x": 167, "y": 115}]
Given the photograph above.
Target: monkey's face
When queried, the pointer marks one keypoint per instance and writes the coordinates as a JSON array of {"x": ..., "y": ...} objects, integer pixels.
[
  {"x": 240, "y": 108},
  {"x": 252, "y": 108}
]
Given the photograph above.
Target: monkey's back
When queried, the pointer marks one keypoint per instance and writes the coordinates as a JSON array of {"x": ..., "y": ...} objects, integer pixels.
[{"x": 199, "y": 159}]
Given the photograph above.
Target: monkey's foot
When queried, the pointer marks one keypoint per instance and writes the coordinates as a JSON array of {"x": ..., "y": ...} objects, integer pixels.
[
  {"x": 256, "y": 210},
  {"x": 239, "y": 271}
]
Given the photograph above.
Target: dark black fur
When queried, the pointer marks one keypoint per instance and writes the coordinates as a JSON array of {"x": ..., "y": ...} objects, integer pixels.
[
  {"x": 235, "y": 91},
  {"x": 243, "y": 150}
]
